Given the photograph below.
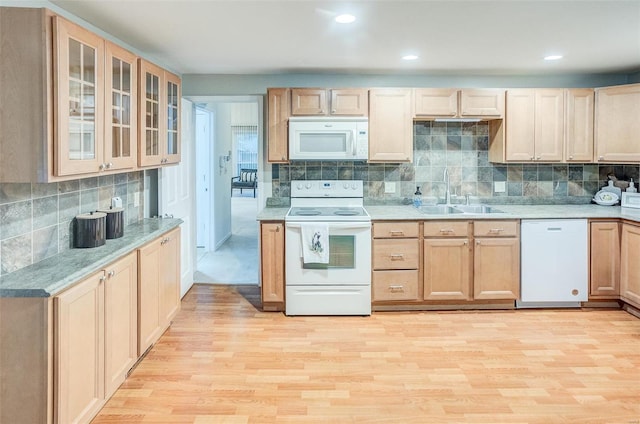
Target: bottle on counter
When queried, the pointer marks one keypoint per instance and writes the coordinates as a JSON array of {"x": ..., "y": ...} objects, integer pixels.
[
  {"x": 632, "y": 188},
  {"x": 417, "y": 198}
]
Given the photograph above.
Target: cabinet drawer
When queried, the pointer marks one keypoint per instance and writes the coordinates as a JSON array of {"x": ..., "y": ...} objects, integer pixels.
[
  {"x": 446, "y": 228},
  {"x": 495, "y": 228},
  {"x": 395, "y": 229},
  {"x": 395, "y": 254},
  {"x": 395, "y": 285}
]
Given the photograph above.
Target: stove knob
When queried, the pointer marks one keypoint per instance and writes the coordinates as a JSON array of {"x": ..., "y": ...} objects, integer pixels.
[
  {"x": 345, "y": 185},
  {"x": 354, "y": 186},
  {"x": 299, "y": 186},
  {"x": 308, "y": 186}
]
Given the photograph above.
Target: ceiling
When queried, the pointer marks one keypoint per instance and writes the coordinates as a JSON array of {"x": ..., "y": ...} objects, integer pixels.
[{"x": 479, "y": 37}]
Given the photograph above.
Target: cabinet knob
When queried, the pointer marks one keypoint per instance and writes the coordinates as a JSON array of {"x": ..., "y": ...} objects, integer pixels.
[
  {"x": 277, "y": 229},
  {"x": 102, "y": 279},
  {"x": 477, "y": 242},
  {"x": 601, "y": 158},
  {"x": 333, "y": 111},
  {"x": 533, "y": 158},
  {"x": 101, "y": 167},
  {"x": 109, "y": 165},
  {"x": 539, "y": 157},
  {"x": 571, "y": 157},
  {"x": 111, "y": 273}
]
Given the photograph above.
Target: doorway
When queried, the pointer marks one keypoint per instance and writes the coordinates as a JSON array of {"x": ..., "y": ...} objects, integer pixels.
[{"x": 228, "y": 139}]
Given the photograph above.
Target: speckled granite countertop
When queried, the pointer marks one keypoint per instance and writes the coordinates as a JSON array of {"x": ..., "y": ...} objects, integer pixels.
[
  {"x": 52, "y": 275},
  {"x": 398, "y": 212}
]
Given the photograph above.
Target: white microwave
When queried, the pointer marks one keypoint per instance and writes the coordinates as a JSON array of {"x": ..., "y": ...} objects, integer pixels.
[{"x": 328, "y": 138}]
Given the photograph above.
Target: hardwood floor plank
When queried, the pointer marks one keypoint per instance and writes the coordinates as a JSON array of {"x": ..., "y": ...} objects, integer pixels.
[{"x": 223, "y": 361}]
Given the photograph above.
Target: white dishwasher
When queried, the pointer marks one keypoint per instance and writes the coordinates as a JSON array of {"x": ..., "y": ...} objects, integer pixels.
[{"x": 554, "y": 263}]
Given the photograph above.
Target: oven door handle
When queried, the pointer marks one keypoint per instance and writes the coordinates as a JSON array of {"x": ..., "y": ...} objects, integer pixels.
[{"x": 339, "y": 225}]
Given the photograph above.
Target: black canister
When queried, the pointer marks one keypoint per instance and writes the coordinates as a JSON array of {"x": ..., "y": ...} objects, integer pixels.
[
  {"x": 90, "y": 229},
  {"x": 115, "y": 222}
]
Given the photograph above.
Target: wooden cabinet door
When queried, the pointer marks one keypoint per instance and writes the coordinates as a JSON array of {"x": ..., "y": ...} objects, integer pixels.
[
  {"x": 349, "y": 102},
  {"x": 520, "y": 125},
  {"x": 151, "y": 93},
  {"x": 272, "y": 265},
  {"x": 605, "y": 259},
  {"x": 496, "y": 268},
  {"x": 630, "y": 265},
  {"x": 447, "y": 269},
  {"x": 579, "y": 125},
  {"x": 617, "y": 127},
  {"x": 390, "y": 125},
  {"x": 149, "y": 265},
  {"x": 121, "y": 95},
  {"x": 481, "y": 103},
  {"x": 549, "y": 125},
  {"x": 79, "y": 102},
  {"x": 309, "y": 101},
  {"x": 436, "y": 102},
  {"x": 277, "y": 121},
  {"x": 169, "y": 283},
  {"x": 79, "y": 351},
  {"x": 121, "y": 321},
  {"x": 171, "y": 118}
]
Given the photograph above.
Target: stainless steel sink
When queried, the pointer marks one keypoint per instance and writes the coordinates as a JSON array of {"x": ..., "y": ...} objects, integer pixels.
[
  {"x": 477, "y": 209},
  {"x": 439, "y": 210}
]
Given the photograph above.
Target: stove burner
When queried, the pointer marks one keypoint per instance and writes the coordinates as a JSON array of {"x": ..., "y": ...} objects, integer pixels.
[
  {"x": 307, "y": 212},
  {"x": 346, "y": 212}
]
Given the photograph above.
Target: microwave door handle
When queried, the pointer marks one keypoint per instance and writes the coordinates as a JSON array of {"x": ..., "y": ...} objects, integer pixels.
[{"x": 353, "y": 143}]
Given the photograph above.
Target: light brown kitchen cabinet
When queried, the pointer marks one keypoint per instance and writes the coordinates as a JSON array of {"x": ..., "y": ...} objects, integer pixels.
[
  {"x": 390, "y": 125},
  {"x": 604, "y": 250},
  {"x": 159, "y": 115},
  {"x": 579, "y": 112},
  {"x": 335, "y": 102},
  {"x": 272, "y": 265},
  {"x": 534, "y": 125},
  {"x": 447, "y": 260},
  {"x": 630, "y": 265},
  {"x": 459, "y": 103},
  {"x": 395, "y": 261},
  {"x": 496, "y": 260},
  {"x": 158, "y": 287},
  {"x": 278, "y": 107},
  {"x": 79, "y": 351},
  {"x": 617, "y": 127}
]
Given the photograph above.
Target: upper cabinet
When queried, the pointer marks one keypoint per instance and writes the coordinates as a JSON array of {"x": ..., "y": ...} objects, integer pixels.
[
  {"x": 336, "y": 102},
  {"x": 390, "y": 125},
  {"x": 456, "y": 103},
  {"x": 578, "y": 121},
  {"x": 534, "y": 125},
  {"x": 278, "y": 107},
  {"x": 159, "y": 117},
  {"x": 617, "y": 127}
]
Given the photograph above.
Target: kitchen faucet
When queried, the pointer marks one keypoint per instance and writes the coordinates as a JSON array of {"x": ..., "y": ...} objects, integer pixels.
[{"x": 447, "y": 195}]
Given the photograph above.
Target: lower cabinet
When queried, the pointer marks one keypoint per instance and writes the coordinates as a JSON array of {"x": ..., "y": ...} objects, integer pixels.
[
  {"x": 272, "y": 265},
  {"x": 496, "y": 260},
  {"x": 630, "y": 265},
  {"x": 158, "y": 287},
  {"x": 604, "y": 267},
  {"x": 94, "y": 340}
]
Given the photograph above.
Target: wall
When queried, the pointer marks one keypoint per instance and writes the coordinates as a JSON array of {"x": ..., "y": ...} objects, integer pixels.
[
  {"x": 463, "y": 149},
  {"x": 36, "y": 220}
]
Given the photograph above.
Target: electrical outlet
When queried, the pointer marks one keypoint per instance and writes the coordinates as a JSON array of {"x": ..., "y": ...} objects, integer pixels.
[
  {"x": 499, "y": 186},
  {"x": 389, "y": 187}
]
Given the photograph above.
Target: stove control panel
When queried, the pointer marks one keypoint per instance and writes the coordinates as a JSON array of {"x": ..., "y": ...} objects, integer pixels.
[{"x": 327, "y": 188}]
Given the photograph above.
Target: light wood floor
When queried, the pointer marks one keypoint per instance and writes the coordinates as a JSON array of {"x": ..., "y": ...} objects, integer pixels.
[{"x": 224, "y": 361}]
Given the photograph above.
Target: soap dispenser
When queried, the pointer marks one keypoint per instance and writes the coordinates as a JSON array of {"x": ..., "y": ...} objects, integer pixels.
[
  {"x": 417, "y": 198},
  {"x": 632, "y": 188}
]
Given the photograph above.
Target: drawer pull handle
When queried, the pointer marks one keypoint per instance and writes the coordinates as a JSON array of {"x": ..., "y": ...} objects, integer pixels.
[
  {"x": 446, "y": 230},
  {"x": 496, "y": 230},
  {"x": 396, "y": 289},
  {"x": 396, "y": 256},
  {"x": 396, "y": 233}
]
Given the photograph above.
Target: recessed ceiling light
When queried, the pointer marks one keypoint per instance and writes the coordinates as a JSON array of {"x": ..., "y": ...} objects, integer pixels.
[
  {"x": 553, "y": 57},
  {"x": 345, "y": 19},
  {"x": 409, "y": 57}
]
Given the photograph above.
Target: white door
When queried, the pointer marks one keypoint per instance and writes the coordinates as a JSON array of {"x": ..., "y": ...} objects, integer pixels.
[
  {"x": 176, "y": 196},
  {"x": 204, "y": 145}
]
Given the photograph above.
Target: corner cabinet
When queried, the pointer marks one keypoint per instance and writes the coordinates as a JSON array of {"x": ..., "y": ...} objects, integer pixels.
[
  {"x": 391, "y": 125},
  {"x": 272, "y": 271},
  {"x": 159, "y": 116},
  {"x": 617, "y": 127},
  {"x": 158, "y": 288},
  {"x": 278, "y": 107}
]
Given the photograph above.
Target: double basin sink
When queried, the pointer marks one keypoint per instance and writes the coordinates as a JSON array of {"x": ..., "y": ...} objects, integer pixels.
[{"x": 454, "y": 209}]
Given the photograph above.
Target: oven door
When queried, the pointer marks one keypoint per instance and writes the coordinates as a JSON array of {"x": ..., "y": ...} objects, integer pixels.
[{"x": 349, "y": 256}]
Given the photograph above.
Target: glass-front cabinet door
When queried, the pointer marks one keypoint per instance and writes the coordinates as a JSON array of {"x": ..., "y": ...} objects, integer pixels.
[
  {"x": 173, "y": 118},
  {"x": 78, "y": 92},
  {"x": 120, "y": 136},
  {"x": 151, "y": 95}
]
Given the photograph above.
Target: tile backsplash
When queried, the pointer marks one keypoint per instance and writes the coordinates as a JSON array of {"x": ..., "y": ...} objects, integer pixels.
[
  {"x": 36, "y": 220},
  {"x": 462, "y": 148}
]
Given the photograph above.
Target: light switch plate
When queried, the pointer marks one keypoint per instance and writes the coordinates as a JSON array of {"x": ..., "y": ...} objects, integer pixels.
[
  {"x": 389, "y": 187},
  {"x": 499, "y": 186}
]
